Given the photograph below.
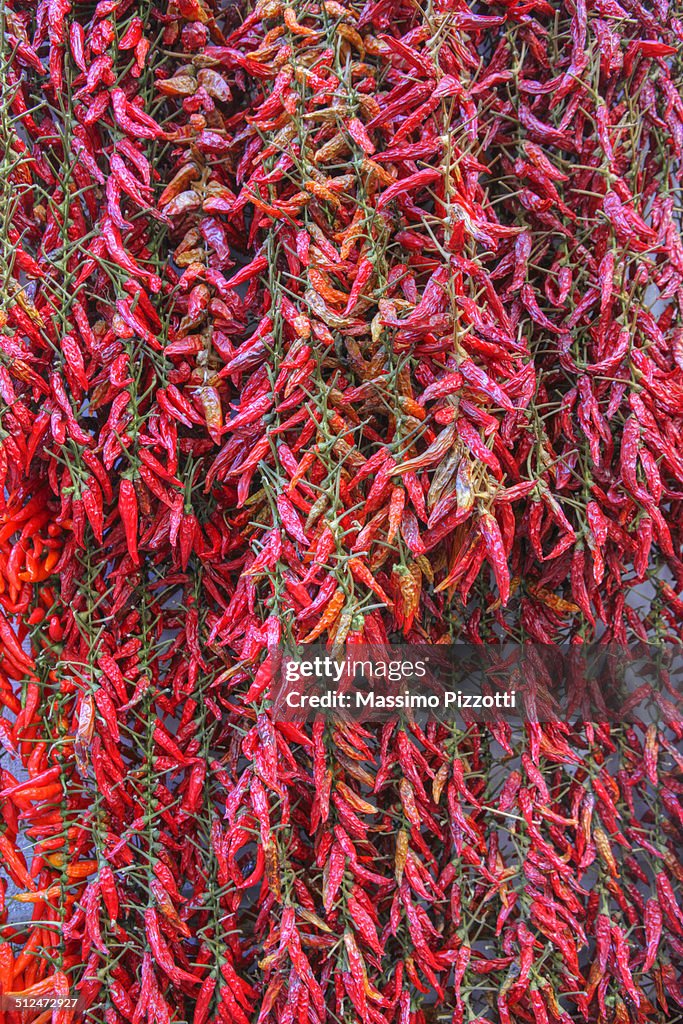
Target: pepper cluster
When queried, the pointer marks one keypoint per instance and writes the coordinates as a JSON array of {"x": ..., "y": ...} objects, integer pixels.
[{"x": 349, "y": 322}]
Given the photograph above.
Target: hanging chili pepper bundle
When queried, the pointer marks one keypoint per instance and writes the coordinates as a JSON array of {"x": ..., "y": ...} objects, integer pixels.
[{"x": 345, "y": 323}]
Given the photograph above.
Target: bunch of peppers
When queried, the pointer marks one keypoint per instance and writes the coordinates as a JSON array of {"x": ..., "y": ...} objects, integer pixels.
[{"x": 338, "y": 321}]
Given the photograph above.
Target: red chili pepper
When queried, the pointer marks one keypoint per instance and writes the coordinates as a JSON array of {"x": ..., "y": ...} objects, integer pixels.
[{"x": 128, "y": 509}]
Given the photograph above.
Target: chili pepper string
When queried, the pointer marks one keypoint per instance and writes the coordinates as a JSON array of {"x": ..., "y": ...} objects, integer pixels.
[
  {"x": 335, "y": 322},
  {"x": 101, "y": 893}
]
